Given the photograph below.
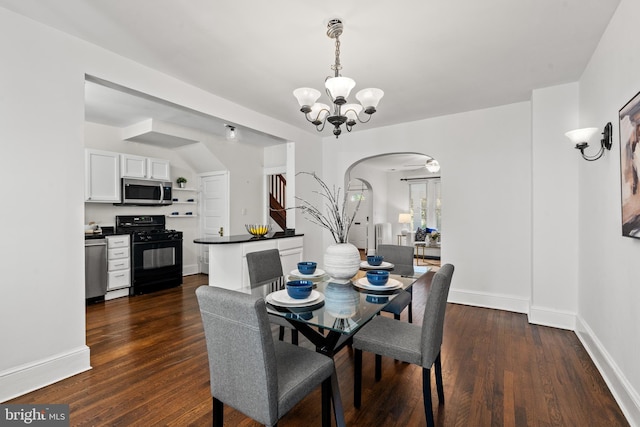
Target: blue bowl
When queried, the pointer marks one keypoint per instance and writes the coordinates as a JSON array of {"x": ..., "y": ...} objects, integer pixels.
[
  {"x": 374, "y": 260},
  {"x": 299, "y": 289},
  {"x": 377, "y": 299},
  {"x": 307, "y": 267},
  {"x": 378, "y": 277}
]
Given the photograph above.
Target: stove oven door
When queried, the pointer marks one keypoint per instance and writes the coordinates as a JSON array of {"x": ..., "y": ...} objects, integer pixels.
[{"x": 156, "y": 265}]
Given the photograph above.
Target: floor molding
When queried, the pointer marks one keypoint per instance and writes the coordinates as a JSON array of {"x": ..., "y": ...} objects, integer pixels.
[
  {"x": 622, "y": 390},
  {"x": 33, "y": 376}
]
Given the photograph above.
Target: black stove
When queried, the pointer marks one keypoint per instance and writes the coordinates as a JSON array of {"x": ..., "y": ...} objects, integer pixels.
[
  {"x": 155, "y": 235},
  {"x": 156, "y": 252}
]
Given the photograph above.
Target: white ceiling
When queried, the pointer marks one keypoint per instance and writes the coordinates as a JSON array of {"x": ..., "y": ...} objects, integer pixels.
[{"x": 430, "y": 57}]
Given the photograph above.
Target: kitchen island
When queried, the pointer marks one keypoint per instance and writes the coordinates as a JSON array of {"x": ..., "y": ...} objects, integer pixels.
[{"x": 228, "y": 256}]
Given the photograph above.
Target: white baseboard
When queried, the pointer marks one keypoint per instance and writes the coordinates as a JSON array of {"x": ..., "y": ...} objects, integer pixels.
[
  {"x": 498, "y": 302},
  {"x": 622, "y": 390},
  {"x": 190, "y": 269},
  {"x": 33, "y": 376},
  {"x": 554, "y": 318}
]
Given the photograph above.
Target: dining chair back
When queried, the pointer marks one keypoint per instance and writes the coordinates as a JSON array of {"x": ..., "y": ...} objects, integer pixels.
[
  {"x": 402, "y": 259},
  {"x": 419, "y": 345},
  {"x": 264, "y": 266},
  {"x": 251, "y": 372}
]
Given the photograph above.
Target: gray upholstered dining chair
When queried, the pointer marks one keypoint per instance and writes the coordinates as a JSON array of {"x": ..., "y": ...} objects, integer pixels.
[
  {"x": 409, "y": 343},
  {"x": 263, "y": 266},
  {"x": 402, "y": 259},
  {"x": 251, "y": 372}
]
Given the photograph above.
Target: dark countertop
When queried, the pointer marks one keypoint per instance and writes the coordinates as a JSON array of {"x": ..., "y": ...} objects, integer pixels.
[{"x": 243, "y": 238}]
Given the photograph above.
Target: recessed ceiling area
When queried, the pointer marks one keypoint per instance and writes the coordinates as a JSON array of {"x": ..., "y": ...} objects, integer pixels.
[{"x": 113, "y": 105}]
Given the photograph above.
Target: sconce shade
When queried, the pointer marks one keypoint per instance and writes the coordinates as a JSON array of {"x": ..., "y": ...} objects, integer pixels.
[{"x": 578, "y": 136}]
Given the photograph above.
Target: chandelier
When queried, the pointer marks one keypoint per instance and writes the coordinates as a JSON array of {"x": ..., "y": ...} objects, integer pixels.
[{"x": 338, "y": 89}]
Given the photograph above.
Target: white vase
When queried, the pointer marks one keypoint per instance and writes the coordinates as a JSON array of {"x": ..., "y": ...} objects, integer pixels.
[
  {"x": 342, "y": 261},
  {"x": 341, "y": 301}
]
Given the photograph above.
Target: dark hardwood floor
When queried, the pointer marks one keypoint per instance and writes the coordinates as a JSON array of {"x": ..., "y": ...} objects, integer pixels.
[{"x": 150, "y": 368}]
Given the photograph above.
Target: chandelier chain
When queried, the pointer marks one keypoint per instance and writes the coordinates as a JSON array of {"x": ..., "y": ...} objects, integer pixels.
[{"x": 337, "y": 66}]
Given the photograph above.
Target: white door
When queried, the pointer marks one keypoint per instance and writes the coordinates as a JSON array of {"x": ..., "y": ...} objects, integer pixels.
[
  {"x": 358, "y": 232},
  {"x": 214, "y": 210}
]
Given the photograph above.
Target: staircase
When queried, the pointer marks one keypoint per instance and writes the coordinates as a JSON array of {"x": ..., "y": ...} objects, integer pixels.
[{"x": 277, "y": 187}]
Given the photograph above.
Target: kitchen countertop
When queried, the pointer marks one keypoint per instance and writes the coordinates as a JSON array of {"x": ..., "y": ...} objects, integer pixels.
[{"x": 242, "y": 238}]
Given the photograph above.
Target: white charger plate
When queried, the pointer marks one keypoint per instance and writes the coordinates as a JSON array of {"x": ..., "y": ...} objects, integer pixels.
[
  {"x": 389, "y": 286},
  {"x": 319, "y": 272},
  {"x": 383, "y": 266},
  {"x": 282, "y": 298}
]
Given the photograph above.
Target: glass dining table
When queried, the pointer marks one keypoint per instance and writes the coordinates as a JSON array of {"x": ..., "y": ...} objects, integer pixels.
[{"x": 336, "y": 309}]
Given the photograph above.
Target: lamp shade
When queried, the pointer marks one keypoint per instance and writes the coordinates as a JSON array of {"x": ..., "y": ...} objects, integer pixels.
[
  {"x": 306, "y": 96},
  {"x": 369, "y": 97},
  {"x": 339, "y": 86},
  {"x": 578, "y": 136},
  {"x": 404, "y": 218}
]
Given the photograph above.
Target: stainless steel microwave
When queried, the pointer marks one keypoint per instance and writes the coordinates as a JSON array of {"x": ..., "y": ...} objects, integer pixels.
[{"x": 145, "y": 192}]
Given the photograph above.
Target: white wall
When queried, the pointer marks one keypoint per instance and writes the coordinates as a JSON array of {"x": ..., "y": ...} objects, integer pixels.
[
  {"x": 608, "y": 274},
  {"x": 555, "y": 207},
  {"x": 486, "y": 194},
  {"x": 42, "y": 255}
]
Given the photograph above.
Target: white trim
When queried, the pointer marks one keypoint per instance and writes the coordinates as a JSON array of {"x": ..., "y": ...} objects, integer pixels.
[
  {"x": 190, "y": 269},
  {"x": 618, "y": 384},
  {"x": 27, "y": 378},
  {"x": 554, "y": 318},
  {"x": 481, "y": 299}
]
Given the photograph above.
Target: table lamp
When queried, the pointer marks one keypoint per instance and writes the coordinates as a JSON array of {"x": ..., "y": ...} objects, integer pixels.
[{"x": 404, "y": 218}]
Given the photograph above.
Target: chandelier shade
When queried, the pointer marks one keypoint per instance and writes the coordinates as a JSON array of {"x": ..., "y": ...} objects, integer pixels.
[
  {"x": 338, "y": 89},
  {"x": 306, "y": 96},
  {"x": 369, "y": 98}
]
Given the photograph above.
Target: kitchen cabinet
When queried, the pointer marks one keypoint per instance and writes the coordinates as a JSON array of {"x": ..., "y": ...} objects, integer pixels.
[
  {"x": 228, "y": 257},
  {"x": 158, "y": 169},
  {"x": 133, "y": 166},
  {"x": 118, "y": 264},
  {"x": 102, "y": 176}
]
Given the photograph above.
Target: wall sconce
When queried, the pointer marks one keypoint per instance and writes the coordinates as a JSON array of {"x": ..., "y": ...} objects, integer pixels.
[
  {"x": 581, "y": 136},
  {"x": 231, "y": 132}
]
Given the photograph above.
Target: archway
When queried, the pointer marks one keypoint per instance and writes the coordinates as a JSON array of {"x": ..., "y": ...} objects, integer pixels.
[{"x": 387, "y": 177}]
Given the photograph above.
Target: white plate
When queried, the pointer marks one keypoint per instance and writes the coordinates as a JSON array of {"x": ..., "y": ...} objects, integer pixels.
[
  {"x": 390, "y": 285},
  {"x": 383, "y": 266},
  {"x": 283, "y": 298},
  {"x": 319, "y": 272}
]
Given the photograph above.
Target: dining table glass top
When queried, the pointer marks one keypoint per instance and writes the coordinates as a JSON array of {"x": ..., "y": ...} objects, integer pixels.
[{"x": 336, "y": 305}]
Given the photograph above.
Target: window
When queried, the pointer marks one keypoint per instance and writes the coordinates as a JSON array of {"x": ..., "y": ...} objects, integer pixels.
[{"x": 424, "y": 203}]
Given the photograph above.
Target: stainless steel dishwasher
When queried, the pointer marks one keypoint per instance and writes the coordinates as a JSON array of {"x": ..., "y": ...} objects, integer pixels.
[{"x": 95, "y": 268}]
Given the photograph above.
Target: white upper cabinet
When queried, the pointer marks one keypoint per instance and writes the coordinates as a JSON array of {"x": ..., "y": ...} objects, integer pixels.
[
  {"x": 102, "y": 176},
  {"x": 158, "y": 169},
  {"x": 133, "y": 166},
  {"x": 144, "y": 167}
]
